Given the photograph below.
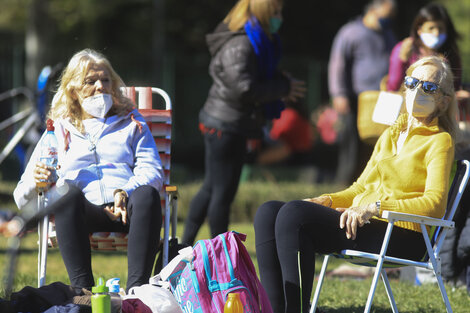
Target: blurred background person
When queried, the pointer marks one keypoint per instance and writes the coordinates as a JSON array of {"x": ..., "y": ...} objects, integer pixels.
[
  {"x": 247, "y": 90},
  {"x": 290, "y": 138},
  {"x": 455, "y": 253},
  {"x": 432, "y": 33},
  {"x": 358, "y": 61}
]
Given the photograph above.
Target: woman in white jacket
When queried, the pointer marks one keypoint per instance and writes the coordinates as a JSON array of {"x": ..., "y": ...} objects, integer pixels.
[{"x": 109, "y": 161}]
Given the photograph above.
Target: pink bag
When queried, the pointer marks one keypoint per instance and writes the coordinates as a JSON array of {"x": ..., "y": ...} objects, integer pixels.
[{"x": 220, "y": 266}]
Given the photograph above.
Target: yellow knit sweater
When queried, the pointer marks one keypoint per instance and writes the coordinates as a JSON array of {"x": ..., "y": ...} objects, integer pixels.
[{"x": 414, "y": 181}]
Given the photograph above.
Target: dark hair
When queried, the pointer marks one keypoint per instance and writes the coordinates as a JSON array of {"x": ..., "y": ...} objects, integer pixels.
[{"x": 438, "y": 13}]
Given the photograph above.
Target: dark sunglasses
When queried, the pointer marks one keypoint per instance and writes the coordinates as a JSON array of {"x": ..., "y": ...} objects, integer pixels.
[{"x": 428, "y": 87}]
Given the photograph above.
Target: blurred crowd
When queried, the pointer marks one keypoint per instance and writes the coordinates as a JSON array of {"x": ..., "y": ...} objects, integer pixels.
[{"x": 365, "y": 56}]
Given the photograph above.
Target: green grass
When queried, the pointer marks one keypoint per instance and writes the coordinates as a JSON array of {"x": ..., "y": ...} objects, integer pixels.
[{"x": 338, "y": 295}]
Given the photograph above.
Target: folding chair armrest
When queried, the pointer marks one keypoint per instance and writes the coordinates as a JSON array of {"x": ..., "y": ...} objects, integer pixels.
[{"x": 430, "y": 221}]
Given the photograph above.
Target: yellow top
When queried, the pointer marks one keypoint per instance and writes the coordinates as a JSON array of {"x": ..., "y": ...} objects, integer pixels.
[{"x": 414, "y": 181}]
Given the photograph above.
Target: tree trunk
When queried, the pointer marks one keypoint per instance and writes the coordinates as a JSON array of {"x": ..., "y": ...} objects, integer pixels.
[{"x": 40, "y": 32}]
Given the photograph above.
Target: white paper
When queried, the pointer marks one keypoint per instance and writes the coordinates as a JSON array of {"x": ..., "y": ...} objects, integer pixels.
[{"x": 387, "y": 108}]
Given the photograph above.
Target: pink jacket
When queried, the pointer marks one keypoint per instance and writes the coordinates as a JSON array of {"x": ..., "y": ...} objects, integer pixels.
[{"x": 398, "y": 67}]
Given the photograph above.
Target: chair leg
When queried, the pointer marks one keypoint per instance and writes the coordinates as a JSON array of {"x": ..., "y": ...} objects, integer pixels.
[
  {"x": 319, "y": 284},
  {"x": 174, "y": 213},
  {"x": 436, "y": 267},
  {"x": 43, "y": 232},
  {"x": 378, "y": 269},
  {"x": 440, "y": 283},
  {"x": 166, "y": 231},
  {"x": 373, "y": 286},
  {"x": 389, "y": 291}
]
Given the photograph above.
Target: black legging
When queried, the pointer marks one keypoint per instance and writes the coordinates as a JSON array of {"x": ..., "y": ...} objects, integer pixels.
[
  {"x": 76, "y": 217},
  {"x": 224, "y": 156},
  {"x": 284, "y": 229}
]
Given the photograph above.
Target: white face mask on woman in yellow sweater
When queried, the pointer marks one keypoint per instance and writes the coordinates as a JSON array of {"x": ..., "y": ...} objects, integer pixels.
[{"x": 419, "y": 104}]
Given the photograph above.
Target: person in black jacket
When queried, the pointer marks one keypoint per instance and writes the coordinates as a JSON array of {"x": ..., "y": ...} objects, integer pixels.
[{"x": 247, "y": 89}]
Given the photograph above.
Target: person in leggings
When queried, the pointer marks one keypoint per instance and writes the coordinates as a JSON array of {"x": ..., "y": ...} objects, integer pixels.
[
  {"x": 408, "y": 172},
  {"x": 108, "y": 171},
  {"x": 246, "y": 91}
]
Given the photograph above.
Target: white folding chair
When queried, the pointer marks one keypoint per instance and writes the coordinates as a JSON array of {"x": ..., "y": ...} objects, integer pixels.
[
  {"x": 433, "y": 240},
  {"x": 159, "y": 122}
]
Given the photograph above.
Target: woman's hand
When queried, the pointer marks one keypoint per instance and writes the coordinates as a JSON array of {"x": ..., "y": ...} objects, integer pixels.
[
  {"x": 41, "y": 175},
  {"x": 353, "y": 217},
  {"x": 10, "y": 228},
  {"x": 297, "y": 89},
  {"x": 119, "y": 208},
  {"x": 341, "y": 105},
  {"x": 323, "y": 200},
  {"x": 462, "y": 95}
]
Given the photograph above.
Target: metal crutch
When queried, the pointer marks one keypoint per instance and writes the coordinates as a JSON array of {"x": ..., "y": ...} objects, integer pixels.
[{"x": 43, "y": 233}]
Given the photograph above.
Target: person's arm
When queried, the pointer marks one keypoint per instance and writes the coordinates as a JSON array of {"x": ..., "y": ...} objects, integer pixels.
[
  {"x": 397, "y": 67},
  {"x": 25, "y": 190},
  {"x": 462, "y": 95},
  {"x": 147, "y": 165},
  {"x": 241, "y": 75},
  {"x": 456, "y": 65},
  {"x": 339, "y": 71}
]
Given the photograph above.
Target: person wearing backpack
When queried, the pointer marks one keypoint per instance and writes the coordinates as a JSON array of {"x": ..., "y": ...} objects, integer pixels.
[
  {"x": 408, "y": 172},
  {"x": 247, "y": 90}
]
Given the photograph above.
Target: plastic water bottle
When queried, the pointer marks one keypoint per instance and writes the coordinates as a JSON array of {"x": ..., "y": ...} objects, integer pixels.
[
  {"x": 100, "y": 300},
  {"x": 48, "y": 156},
  {"x": 116, "y": 301},
  {"x": 233, "y": 304}
]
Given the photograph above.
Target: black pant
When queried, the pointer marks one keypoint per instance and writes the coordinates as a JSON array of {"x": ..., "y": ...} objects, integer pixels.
[
  {"x": 224, "y": 157},
  {"x": 286, "y": 230},
  {"x": 353, "y": 153},
  {"x": 76, "y": 217}
]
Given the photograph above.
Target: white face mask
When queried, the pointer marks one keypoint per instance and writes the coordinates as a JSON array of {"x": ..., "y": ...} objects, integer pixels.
[
  {"x": 419, "y": 104},
  {"x": 98, "y": 105},
  {"x": 431, "y": 41}
]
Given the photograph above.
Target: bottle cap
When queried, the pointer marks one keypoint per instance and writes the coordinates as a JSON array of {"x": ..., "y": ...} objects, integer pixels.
[
  {"x": 234, "y": 295},
  {"x": 100, "y": 287},
  {"x": 113, "y": 284},
  {"x": 50, "y": 125}
]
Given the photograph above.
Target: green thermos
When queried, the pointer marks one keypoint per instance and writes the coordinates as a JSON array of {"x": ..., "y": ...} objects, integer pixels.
[{"x": 100, "y": 300}]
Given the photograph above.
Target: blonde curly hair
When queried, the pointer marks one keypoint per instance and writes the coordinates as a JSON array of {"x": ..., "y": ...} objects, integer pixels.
[{"x": 65, "y": 102}]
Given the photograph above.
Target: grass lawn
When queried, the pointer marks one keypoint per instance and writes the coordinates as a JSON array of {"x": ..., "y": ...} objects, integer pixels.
[{"x": 338, "y": 295}]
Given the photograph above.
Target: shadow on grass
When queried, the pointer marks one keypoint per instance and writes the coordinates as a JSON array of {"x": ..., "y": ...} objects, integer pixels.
[
  {"x": 29, "y": 251},
  {"x": 360, "y": 309}
]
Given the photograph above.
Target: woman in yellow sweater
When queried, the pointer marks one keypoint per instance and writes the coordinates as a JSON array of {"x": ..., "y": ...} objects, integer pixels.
[{"x": 408, "y": 172}]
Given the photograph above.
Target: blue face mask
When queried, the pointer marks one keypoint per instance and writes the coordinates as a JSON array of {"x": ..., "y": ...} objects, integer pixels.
[
  {"x": 274, "y": 24},
  {"x": 385, "y": 22}
]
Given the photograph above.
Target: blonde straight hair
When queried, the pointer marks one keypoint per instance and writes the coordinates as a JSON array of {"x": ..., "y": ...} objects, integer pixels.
[
  {"x": 447, "y": 117},
  {"x": 263, "y": 10},
  {"x": 65, "y": 102}
]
